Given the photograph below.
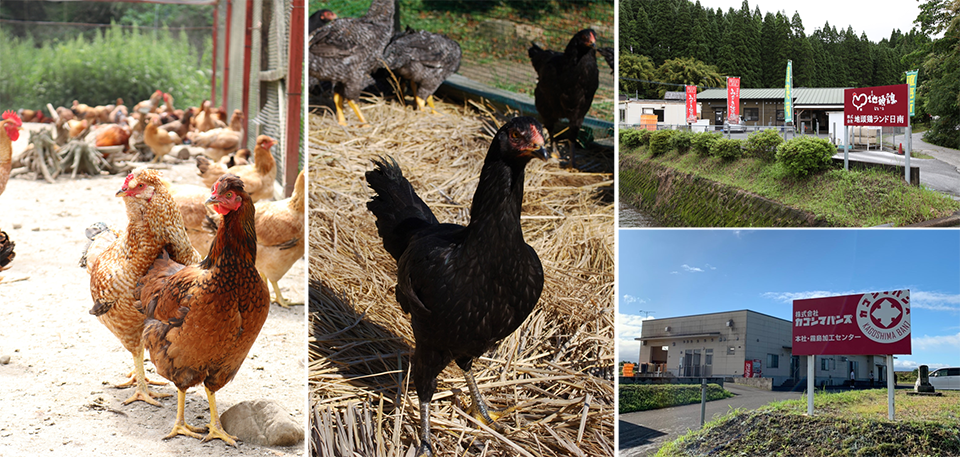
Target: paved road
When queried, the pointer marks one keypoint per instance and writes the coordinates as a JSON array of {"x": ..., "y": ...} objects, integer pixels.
[
  {"x": 935, "y": 174},
  {"x": 643, "y": 433}
]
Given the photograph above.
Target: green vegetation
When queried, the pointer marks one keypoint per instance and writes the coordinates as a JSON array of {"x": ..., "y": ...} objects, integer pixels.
[
  {"x": 850, "y": 423},
  {"x": 763, "y": 144},
  {"x": 128, "y": 64},
  {"x": 660, "y": 141},
  {"x": 907, "y": 377},
  {"x": 805, "y": 155},
  {"x": 841, "y": 198},
  {"x": 643, "y": 397},
  {"x": 726, "y": 149}
]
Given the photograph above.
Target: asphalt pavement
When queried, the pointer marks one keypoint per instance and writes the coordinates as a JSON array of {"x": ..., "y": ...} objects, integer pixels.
[{"x": 643, "y": 433}]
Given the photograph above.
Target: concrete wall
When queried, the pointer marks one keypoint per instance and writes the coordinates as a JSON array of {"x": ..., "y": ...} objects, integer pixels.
[
  {"x": 673, "y": 111},
  {"x": 770, "y": 338}
]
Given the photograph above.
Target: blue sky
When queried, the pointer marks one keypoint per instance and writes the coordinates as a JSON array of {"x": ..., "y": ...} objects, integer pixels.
[{"x": 680, "y": 272}]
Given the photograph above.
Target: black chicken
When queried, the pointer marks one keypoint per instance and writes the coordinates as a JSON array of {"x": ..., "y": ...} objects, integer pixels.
[
  {"x": 320, "y": 19},
  {"x": 6, "y": 250},
  {"x": 566, "y": 83},
  {"x": 607, "y": 54},
  {"x": 425, "y": 58},
  {"x": 347, "y": 50},
  {"x": 465, "y": 287}
]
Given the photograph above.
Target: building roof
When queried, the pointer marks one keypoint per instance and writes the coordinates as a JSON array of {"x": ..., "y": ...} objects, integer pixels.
[{"x": 801, "y": 95}]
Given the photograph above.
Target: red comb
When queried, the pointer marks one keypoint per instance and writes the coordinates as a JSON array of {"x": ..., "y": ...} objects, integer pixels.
[{"x": 11, "y": 116}]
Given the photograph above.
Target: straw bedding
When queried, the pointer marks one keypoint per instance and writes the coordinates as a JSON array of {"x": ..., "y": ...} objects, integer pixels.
[{"x": 557, "y": 368}]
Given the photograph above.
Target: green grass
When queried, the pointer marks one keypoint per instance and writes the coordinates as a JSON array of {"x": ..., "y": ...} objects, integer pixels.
[
  {"x": 852, "y": 423},
  {"x": 845, "y": 199},
  {"x": 129, "y": 64},
  {"x": 644, "y": 397}
]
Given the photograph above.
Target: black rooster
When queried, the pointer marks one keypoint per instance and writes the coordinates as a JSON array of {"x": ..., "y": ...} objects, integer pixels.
[
  {"x": 607, "y": 54},
  {"x": 465, "y": 287},
  {"x": 346, "y": 51},
  {"x": 566, "y": 83},
  {"x": 425, "y": 58},
  {"x": 6, "y": 250}
]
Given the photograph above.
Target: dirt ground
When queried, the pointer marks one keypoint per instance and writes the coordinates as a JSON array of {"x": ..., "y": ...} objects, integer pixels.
[{"x": 56, "y": 394}]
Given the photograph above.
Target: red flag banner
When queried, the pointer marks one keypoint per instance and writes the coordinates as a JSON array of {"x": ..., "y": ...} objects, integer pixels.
[
  {"x": 733, "y": 99},
  {"x": 861, "y": 324},
  {"x": 691, "y": 104},
  {"x": 881, "y": 106}
]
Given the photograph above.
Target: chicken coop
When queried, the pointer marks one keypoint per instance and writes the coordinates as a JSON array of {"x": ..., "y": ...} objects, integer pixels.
[
  {"x": 246, "y": 52},
  {"x": 495, "y": 67}
]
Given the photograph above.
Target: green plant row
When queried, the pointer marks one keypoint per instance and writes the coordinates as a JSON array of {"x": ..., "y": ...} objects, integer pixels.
[
  {"x": 643, "y": 397},
  {"x": 800, "y": 156},
  {"x": 129, "y": 64}
]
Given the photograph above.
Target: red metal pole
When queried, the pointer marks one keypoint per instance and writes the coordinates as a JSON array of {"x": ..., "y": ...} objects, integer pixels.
[
  {"x": 247, "y": 49},
  {"x": 226, "y": 56},
  {"x": 294, "y": 95},
  {"x": 213, "y": 78}
]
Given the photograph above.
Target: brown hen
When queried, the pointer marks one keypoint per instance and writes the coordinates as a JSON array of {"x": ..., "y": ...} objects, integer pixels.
[
  {"x": 202, "y": 319},
  {"x": 280, "y": 240},
  {"x": 257, "y": 178},
  {"x": 154, "y": 223}
]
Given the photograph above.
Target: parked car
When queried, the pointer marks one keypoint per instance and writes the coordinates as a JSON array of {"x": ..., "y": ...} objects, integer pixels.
[
  {"x": 946, "y": 378},
  {"x": 737, "y": 126}
]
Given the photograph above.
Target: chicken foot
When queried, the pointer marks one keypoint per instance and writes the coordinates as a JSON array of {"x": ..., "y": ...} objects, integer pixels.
[
  {"x": 214, "y": 429},
  {"x": 142, "y": 393},
  {"x": 180, "y": 426},
  {"x": 341, "y": 119},
  {"x": 280, "y": 300},
  {"x": 421, "y": 102},
  {"x": 480, "y": 410}
]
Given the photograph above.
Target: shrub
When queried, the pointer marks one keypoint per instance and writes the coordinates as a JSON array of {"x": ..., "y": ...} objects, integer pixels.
[
  {"x": 682, "y": 141},
  {"x": 660, "y": 141},
  {"x": 645, "y": 137},
  {"x": 703, "y": 142},
  {"x": 630, "y": 139},
  {"x": 804, "y": 155},
  {"x": 727, "y": 149},
  {"x": 644, "y": 397},
  {"x": 763, "y": 144}
]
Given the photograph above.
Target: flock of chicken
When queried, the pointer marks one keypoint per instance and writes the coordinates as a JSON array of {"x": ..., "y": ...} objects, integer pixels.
[
  {"x": 345, "y": 52},
  {"x": 187, "y": 277}
]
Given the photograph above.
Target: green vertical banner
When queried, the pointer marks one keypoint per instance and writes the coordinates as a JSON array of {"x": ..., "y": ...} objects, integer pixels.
[
  {"x": 911, "y": 89},
  {"x": 788, "y": 94}
]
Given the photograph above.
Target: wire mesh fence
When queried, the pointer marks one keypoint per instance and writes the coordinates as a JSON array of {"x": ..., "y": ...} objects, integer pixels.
[{"x": 494, "y": 38}]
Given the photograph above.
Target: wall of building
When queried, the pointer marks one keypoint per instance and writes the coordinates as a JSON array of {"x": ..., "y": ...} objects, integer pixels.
[
  {"x": 769, "y": 340},
  {"x": 673, "y": 112}
]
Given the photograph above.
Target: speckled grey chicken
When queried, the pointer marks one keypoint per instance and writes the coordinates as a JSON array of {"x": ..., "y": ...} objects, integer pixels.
[
  {"x": 347, "y": 50},
  {"x": 426, "y": 59},
  {"x": 566, "y": 83}
]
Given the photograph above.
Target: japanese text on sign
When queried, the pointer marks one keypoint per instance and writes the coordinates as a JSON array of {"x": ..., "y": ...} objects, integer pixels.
[
  {"x": 884, "y": 106},
  {"x": 873, "y": 323}
]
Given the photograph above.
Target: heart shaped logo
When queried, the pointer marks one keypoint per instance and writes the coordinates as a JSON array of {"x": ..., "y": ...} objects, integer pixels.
[{"x": 863, "y": 98}]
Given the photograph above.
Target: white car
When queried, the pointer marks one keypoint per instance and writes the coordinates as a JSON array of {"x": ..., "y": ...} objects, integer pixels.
[{"x": 946, "y": 378}]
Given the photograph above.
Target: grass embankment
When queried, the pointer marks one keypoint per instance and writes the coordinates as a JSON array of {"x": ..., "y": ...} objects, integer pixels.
[
  {"x": 856, "y": 198},
  {"x": 643, "y": 397},
  {"x": 850, "y": 423}
]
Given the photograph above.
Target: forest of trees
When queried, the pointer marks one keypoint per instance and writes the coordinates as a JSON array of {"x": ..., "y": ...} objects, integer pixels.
[{"x": 756, "y": 46}]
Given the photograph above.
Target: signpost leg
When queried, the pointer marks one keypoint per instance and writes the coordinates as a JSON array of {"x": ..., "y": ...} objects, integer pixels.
[
  {"x": 891, "y": 385},
  {"x": 846, "y": 147},
  {"x": 703, "y": 400},
  {"x": 906, "y": 163},
  {"x": 810, "y": 383}
]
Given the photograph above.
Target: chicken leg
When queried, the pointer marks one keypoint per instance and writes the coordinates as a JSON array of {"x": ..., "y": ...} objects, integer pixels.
[
  {"x": 480, "y": 410},
  {"x": 425, "y": 449},
  {"x": 214, "y": 429},
  {"x": 139, "y": 379},
  {"x": 180, "y": 427},
  {"x": 421, "y": 102},
  {"x": 276, "y": 288}
]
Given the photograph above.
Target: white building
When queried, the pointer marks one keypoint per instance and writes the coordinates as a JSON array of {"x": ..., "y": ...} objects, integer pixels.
[
  {"x": 669, "y": 112},
  {"x": 719, "y": 344}
]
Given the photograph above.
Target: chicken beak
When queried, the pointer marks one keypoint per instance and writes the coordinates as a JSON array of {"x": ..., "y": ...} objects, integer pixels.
[{"x": 536, "y": 150}]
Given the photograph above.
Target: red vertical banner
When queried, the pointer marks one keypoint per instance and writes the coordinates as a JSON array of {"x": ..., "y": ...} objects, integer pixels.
[
  {"x": 733, "y": 99},
  {"x": 691, "y": 104}
]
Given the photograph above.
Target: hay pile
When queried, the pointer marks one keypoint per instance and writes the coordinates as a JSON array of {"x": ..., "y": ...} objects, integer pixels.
[{"x": 558, "y": 367}]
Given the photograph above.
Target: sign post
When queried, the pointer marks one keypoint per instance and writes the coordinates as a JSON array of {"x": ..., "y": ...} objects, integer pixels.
[
  {"x": 733, "y": 101},
  {"x": 691, "y": 104},
  {"x": 861, "y": 324},
  {"x": 880, "y": 106},
  {"x": 911, "y": 100},
  {"x": 788, "y": 97}
]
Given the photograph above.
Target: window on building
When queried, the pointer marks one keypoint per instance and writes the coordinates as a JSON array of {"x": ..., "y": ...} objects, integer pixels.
[
  {"x": 708, "y": 357},
  {"x": 824, "y": 364},
  {"x": 751, "y": 114},
  {"x": 623, "y": 115},
  {"x": 731, "y": 350},
  {"x": 773, "y": 361},
  {"x": 780, "y": 116}
]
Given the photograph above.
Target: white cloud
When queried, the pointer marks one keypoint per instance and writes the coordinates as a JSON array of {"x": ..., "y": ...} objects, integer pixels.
[
  {"x": 910, "y": 365},
  {"x": 789, "y": 297},
  {"x": 627, "y": 298},
  {"x": 935, "y": 301},
  {"x": 711, "y": 267},
  {"x": 628, "y": 328},
  {"x": 690, "y": 269},
  {"x": 674, "y": 272},
  {"x": 934, "y": 343}
]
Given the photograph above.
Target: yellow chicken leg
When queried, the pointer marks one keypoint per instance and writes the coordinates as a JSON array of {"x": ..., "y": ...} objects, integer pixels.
[
  {"x": 479, "y": 409},
  {"x": 180, "y": 426},
  {"x": 214, "y": 429},
  {"x": 338, "y": 104},
  {"x": 142, "y": 393},
  {"x": 433, "y": 109},
  {"x": 356, "y": 109}
]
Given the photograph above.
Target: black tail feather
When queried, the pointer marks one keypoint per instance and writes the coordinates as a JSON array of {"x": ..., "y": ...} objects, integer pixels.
[
  {"x": 399, "y": 210},
  {"x": 6, "y": 250}
]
